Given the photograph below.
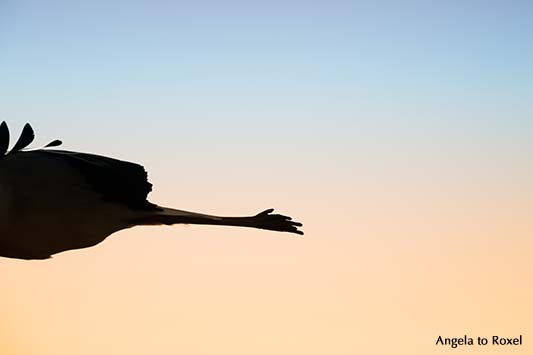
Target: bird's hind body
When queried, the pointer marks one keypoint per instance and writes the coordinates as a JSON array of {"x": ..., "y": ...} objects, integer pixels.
[
  {"x": 55, "y": 200},
  {"x": 48, "y": 206}
]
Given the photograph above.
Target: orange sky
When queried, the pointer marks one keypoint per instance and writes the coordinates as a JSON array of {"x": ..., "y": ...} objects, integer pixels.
[{"x": 382, "y": 269}]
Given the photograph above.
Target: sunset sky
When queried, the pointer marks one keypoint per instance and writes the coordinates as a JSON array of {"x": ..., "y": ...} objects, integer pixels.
[{"x": 399, "y": 132}]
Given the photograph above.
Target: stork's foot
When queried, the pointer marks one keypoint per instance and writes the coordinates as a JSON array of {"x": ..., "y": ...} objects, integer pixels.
[{"x": 276, "y": 222}]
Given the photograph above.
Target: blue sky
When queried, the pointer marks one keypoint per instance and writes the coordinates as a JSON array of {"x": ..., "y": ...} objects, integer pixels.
[{"x": 236, "y": 64}]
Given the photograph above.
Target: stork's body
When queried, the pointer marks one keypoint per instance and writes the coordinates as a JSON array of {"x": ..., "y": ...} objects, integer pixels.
[{"x": 53, "y": 200}]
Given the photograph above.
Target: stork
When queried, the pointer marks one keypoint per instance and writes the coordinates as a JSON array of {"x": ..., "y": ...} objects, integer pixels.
[{"x": 56, "y": 200}]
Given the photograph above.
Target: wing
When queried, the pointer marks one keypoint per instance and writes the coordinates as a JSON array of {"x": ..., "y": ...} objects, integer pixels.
[
  {"x": 116, "y": 180},
  {"x": 26, "y": 137},
  {"x": 4, "y": 138}
]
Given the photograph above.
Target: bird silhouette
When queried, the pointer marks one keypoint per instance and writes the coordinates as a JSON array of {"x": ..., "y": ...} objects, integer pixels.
[{"x": 55, "y": 200}]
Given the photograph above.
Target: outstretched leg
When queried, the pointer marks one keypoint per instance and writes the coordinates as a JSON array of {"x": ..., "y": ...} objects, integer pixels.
[{"x": 264, "y": 220}]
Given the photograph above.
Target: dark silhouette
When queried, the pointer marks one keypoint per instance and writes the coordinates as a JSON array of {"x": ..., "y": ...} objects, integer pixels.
[{"x": 55, "y": 200}]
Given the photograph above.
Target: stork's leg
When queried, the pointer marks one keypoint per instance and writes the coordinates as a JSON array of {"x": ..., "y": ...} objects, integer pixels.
[{"x": 263, "y": 220}]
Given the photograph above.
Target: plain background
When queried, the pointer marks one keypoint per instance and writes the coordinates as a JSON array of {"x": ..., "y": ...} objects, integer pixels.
[{"x": 399, "y": 133}]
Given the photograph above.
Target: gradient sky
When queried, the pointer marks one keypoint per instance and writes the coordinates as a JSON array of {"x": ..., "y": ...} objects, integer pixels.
[{"x": 400, "y": 134}]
